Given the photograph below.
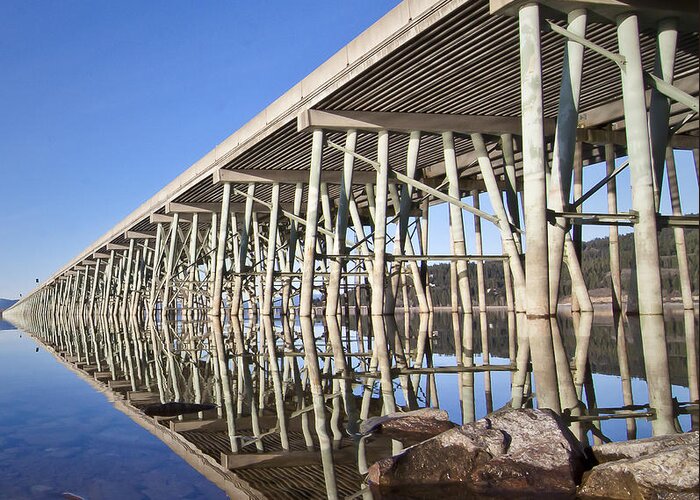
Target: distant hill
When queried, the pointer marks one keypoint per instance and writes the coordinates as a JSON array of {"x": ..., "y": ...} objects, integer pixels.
[
  {"x": 596, "y": 269},
  {"x": 5, "y": 303}
]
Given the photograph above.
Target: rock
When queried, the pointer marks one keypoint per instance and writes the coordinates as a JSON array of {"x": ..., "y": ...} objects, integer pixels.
[
  {"x": 669, "y": 474},
  {"x": 543, "y": 455},
  {"x": 409, "y": 427},
  {"x": 634, "y": 449},
  {"x": 520, "y": 452},
  {"x": 450, "y": 456}
]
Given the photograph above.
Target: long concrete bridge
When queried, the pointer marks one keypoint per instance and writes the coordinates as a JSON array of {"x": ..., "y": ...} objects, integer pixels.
[{"x": 323, "y": 198}]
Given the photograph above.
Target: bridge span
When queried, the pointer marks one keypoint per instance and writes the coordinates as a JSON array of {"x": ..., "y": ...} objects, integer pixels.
[{"x": 320, "y": 204}]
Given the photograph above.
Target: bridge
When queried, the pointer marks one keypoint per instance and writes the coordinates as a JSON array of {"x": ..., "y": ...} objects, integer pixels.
[{"x": 320, "y": 204}]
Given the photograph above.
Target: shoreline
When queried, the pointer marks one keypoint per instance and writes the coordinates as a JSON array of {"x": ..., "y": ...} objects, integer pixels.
[{"x": 600, "y": 305}]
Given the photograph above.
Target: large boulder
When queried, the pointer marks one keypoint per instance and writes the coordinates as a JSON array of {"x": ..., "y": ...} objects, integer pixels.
[
  {"x": 409, "y": 427},
  {"x": 609, "y": 452},
  {"x": 671, "y": 473},
  {"x": 512, "y": 451},
  {"x": 450, "y": 456},
  {"x": 543, "y": 455}
]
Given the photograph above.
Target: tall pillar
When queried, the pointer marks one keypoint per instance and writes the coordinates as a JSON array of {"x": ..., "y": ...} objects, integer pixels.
[
  {"x": 381, "y": 198},
  {"x": 534, "y": 182},
  {"x": 341, "y": 224},
  {"x": 660, "y": 105},
  {"x": 645, "y": 238},
  {"x": 218, "y": 270},
  {"x": 456, "y": 222},
  {"x": 309, "y": 263}
]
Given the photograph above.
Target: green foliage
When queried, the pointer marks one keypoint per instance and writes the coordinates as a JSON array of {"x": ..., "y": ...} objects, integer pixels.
[{"x": 596, "y": 269}]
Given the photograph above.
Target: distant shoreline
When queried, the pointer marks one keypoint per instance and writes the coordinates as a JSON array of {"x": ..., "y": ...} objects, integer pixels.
[{"x": 601, "y": 304}]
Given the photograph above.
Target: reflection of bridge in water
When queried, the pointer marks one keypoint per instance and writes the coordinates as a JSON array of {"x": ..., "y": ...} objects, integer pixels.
[
  {"x": 261, "y": 440},
  {"x": 602, "y": 351},
  {"x": 326, "y": 195}
]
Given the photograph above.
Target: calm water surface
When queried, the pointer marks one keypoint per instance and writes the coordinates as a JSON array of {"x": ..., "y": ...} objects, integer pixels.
[
  {"x": 57, "y": 434},
  {"x": 602, "y": 355}
]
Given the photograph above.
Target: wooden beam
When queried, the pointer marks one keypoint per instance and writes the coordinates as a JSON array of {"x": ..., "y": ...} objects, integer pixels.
[{"x": 435, "y": 123}]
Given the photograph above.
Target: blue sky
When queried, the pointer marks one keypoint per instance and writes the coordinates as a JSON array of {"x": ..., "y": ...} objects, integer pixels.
[{"x": 103, "y": 103}]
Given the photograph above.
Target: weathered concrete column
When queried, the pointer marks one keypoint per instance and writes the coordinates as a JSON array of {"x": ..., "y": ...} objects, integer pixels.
[
  {"x": 193, "y": 274},
  {"x": 423, "y": 229},
  {"x": 211, "y": 262},
  {"x": 241, "y": 256},
  {"x": 660, "y": 105},
  {"x": 341, "y": 224},
  {"x": 534, "y": 182},
  {"x": 107, "y": 292},
  {"x": 456, "y": 222},
  {"x": 646, "y": 238},
  {"x": 93, "y": 292},
  {"x": 564, "y": 151},
  {"x": 412, "y": 264},
  {"x": 381, "y": 199},
  {"x": 315, "y": 383},
  {"x": 271, "y": 250},
  {"x": 83, "y": 292},
  {"x": 511, "y": 247},
  {"x": 220, "y": 254},
  {"x": 293, "y": 248},
  {"x": 684, "y": 277},
  {"x": 169, "y": 265},
  {"x": 127, "y": 278},
  {"x": 481, "y": 295},
  {"x": 511, "y": 185},
  {"x": 309, "y": 264}
]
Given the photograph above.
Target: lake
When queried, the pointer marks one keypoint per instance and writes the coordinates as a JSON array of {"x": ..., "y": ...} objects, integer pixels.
[{"x": 59, "y": 434}]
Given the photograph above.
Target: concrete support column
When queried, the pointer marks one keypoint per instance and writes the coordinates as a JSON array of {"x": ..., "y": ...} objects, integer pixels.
[
  {"x": 271, "y": 250},
  {"x": 379, "y": 240},
  {"x": 169, "y": 268},
  {"x": 456, "y": 222},
  {"x": 218, "y": 270},
  {"x": 646, "y": 240},
  {"x": 511, "y": 185},
  {"x": 534, "y": 182},
  {"x": 660, "y": 106},
  {"x": 564, "y": 151},
  {"x": 127, "y": 278},
  {"x": 341, "y": 224},
  {"x": 93, "y": 292},
  {"x": 193, "y": 274},
  {"x": 242, "y": 254},
  {"x": 686, "y": 288},
  {"x": 107, "y": 291},
  {"x": 309, "y": 264}
]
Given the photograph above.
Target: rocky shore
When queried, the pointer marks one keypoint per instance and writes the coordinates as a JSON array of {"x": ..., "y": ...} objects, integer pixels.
[{"x": 525, "y": 453}]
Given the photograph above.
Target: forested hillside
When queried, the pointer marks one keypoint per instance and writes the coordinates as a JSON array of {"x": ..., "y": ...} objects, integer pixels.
[{"x": 596, "y": 268}]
